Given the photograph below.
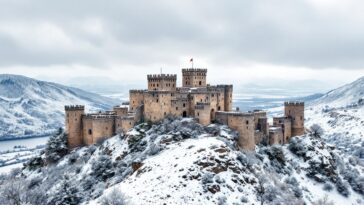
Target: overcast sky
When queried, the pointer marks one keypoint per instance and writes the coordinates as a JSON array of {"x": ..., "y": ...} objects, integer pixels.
[{"x": 318, "y": 43}]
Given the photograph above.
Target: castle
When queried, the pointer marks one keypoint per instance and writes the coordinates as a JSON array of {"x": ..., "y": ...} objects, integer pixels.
[{"x": 195, "y": 99}]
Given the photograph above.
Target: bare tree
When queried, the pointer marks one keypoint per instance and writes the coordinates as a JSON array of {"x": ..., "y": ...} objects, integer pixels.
[
  {"x": 115, "y": 197},
  {"x": 323, "y": 201},
  {"x": 316, "y": 130}
]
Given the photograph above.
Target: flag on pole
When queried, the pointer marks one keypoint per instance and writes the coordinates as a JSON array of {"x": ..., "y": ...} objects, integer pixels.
[{"x": 191, "y": 60}]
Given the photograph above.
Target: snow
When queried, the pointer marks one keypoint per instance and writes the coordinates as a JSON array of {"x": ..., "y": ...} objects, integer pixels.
[
  {"x": 7, "y": 169},
  {"x": 29, "y": 107}
]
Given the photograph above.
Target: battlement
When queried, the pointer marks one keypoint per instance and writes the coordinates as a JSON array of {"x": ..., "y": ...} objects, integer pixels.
[
  {"x": 275, "y": 129},
  {"x": 162, "y": 77},
  {"x": 74, "y": 107},
  {"x": 193, "y": 70},
  {"x": 224, "y": 86},
  {"x": 137, "y": 91},
  {"x": 242, "y": 114},
  {"x": 122, "y": 106},
  {"x": 294, "y": 103},
  {"x": 201, "y": 105},
  {"x": 99, "y": 116},
  {"x": 129, "y": 117}
]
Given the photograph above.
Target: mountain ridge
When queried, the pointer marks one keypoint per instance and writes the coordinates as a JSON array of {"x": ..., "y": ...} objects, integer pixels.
[{"x": 30, "y": 107}]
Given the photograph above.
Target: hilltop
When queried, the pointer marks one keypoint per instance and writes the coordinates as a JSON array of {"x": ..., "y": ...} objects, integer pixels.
[{"x": 179, "y": 161}]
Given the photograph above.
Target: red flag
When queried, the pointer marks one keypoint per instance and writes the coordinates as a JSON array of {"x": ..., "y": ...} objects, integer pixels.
[{"x": 191, "y": 60}]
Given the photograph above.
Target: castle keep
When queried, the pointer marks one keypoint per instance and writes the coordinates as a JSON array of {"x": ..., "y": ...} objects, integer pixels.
[{"x": 195, "y": 99}]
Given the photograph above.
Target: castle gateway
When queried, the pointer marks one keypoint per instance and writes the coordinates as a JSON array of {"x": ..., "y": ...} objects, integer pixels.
[{"x": 195, "y": 99}]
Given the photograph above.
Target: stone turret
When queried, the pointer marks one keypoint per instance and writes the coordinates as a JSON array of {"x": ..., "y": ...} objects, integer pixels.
[
  {"x": 194, "y": 77},
  {"x": 203, "y": 113},
  {"x": 73, "y": 124},
  {"x": 162, "y": 82},
  {"x": 295, "y": 111},
  {"x": 243, "y": 123}
]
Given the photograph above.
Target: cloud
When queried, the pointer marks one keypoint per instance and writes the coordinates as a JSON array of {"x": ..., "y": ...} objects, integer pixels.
[{"x": 142, "y": 34}]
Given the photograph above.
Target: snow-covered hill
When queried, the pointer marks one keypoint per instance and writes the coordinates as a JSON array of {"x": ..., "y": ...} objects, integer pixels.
[
  {"x": 340, "y": 113},
  {"x": 344, "y": 96},
  {"x": 181, "y": 162},
  {"x": 30, "y": 107}
]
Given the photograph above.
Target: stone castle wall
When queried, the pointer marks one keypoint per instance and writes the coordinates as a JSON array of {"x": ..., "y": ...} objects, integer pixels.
[
  {"x": 243, "y": 123},
  {"x": 73, "y": 125},
  {"x": 194, "y": 77},
  {"x": 203, "y": 113},
  {"x": 275, "y": 136},
  {"x": 195, "y": 99},
  {"x": 295, "y": 111},
  {"x": 87, "y": 131},
  {"x": 157, "y": 105},
  {"x": 162, "y": 82},
  {"x": 136, "y": 98},
  {"x": 123, "y": 124},
  {"x": 103, "y": 126},
  {"x": 121, "y": 110}
]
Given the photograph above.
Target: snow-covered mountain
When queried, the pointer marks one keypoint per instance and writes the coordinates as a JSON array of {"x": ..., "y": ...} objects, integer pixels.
[
  {"x": 179, "y": 161},
  {"x": 344, "y": 96},
  {"x": 340, "y": 113},
  {"x": 31, "y": 107}
]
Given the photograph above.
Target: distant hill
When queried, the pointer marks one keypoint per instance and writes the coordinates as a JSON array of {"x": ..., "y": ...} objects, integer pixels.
[
  {"x": 343, "y": 96},
  {"x": 340, "y": 113},
  {"x": 30, "y": 107}
]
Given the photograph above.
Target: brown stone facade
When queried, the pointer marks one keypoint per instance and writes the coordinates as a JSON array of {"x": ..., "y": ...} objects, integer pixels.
[
  {"x": 73, "y": 124},
  {"x": 196, "y": 99},
  {"x": 296, "y": 112},
  {"x": 194, "y": 77}
]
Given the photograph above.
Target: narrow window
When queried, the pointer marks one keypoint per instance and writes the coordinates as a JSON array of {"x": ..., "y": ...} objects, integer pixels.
[
  {"x": 184, "y": 105},
  {"x": 176, "y": 108},
  {"x": 89, "y": 131},
  {"x": 247, "y": 122}
]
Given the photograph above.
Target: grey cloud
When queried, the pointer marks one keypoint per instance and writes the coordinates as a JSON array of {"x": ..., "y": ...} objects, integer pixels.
[{"x": 145, "y": 32}]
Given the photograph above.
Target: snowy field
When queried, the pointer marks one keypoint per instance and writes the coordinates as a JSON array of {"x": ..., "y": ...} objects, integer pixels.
[{"x": 13, "y": 153}]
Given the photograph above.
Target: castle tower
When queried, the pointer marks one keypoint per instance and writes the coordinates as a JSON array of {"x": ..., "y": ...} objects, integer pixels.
[
  {"x": 203, "y": 113},
  {"x": 228, "y": 97},
  {"x": 244, "y": 124},
  {"x": 295, "y": 111},
  {"x": 73, "y": 125},
  {"x": 162, "y": 82},
  {"x": 121, "y": 110},
  {"x": 192, "y": 77}
]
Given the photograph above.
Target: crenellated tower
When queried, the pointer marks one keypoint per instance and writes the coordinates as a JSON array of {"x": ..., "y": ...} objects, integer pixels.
[
  {"x": 295, "y": 111},
  {"x": 73, "y": 124},
  {"x": 194, "y": 77},
  {"x": 162, "y": 82}
]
